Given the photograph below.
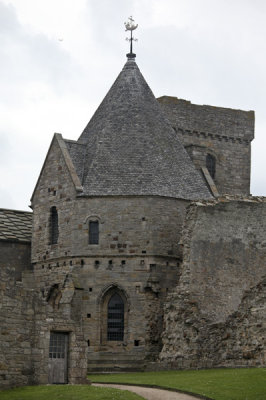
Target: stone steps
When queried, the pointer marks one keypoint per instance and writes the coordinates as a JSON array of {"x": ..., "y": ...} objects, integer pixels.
[{"x": 114, "y": 362}]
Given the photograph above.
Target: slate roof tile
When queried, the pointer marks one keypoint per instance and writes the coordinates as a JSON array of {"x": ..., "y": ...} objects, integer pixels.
[
  {"x": 130, "y": 148},
  {"x": 15, "y": 225}
]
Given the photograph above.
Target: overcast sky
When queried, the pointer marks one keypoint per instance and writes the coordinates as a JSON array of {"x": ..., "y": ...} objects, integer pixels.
[{"x": 58, "y": 58}]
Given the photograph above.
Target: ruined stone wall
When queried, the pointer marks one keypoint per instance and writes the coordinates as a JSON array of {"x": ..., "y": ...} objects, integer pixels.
[
  {"x": 216, "y": 315},
  {"x": 16, "y": 316},
  {"x": 224, "y": 133}
]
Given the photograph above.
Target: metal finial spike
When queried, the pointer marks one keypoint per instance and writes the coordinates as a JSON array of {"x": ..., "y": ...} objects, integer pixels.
[{"x": 131, "y": 26}]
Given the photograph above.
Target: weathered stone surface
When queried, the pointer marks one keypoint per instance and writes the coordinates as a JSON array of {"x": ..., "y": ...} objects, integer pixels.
[
  {"x": 224, "y": 133},
  {"x": 216, "y": 315}
]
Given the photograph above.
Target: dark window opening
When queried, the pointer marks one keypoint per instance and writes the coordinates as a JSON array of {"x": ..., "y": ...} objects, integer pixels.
[
  {"x": 96, "y": 263},
  {"x": 93, "y": 232},
  {"x": 88, "y": 315},
  {"x": 54, "y": 226},
  {"x": 136, "y": 343},
  {"x": 123, "y": 262},
  {"x": 211, "y": 165},
  {"x": 88, "y": 342},
  {"x": 90, "y": 289},
  {"x": 110, "y": 262},
  {"x": 115, "y": 323}
]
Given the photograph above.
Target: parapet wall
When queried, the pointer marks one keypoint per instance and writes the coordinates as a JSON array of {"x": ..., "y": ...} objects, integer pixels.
[
  {"x": 216, "y": 316},
  {"x": 226, "y": 122}
]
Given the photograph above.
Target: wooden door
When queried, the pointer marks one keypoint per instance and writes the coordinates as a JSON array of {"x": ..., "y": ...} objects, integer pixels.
[{"x": 58, "y": 352}]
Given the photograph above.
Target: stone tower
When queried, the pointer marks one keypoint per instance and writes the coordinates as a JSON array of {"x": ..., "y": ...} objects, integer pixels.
[{"x": 107, "y": 215}]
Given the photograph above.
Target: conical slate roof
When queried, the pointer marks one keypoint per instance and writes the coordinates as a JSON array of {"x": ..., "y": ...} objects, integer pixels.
[{"x": 131, "y": 149}]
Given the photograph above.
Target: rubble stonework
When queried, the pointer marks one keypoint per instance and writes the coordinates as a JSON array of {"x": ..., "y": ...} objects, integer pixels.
[
  {"x": 16, "y": 316},
  {"x": 184, "y": 260},
  {"x": 216, "y": 315}
]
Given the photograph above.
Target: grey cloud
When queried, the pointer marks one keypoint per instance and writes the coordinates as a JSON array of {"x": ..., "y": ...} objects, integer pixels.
[{"x": 29, "y": 56}]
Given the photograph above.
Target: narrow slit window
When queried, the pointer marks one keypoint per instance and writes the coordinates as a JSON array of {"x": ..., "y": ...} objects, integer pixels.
[
  {"x": 211, "y": 165},
  {"x": 94, "y": 232},
  {"x": 54, "y": 233}
]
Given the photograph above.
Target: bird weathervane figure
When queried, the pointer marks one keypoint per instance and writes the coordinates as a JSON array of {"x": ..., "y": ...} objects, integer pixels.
[{"x": 131, "y": 26}]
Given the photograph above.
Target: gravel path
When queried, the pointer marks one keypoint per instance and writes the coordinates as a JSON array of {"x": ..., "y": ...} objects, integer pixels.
[{"x": 150, "y": 393}]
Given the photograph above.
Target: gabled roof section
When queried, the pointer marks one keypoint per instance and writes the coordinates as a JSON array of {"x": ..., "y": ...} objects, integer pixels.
[
  {"x": 131, "y": 148},
  {"x": 68, "y": 161},
  {"x": 15, "y": 225},
  {"x": 77, "y": 153}
]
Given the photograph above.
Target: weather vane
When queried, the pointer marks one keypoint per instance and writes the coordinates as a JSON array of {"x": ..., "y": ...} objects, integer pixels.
[{"x": 131, "y": 26}]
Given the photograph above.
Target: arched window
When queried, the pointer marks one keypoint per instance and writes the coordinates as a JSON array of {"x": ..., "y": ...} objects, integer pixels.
[
  {"x": 211, "y": 164},
  {"x": 115, "y": 320},
  {"x": 54, "y": 232},
  {"x": 93, "y": 232}
]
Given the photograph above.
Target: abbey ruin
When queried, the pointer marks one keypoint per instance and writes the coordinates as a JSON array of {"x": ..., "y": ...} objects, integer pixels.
[{"x": 144, "y": 250}]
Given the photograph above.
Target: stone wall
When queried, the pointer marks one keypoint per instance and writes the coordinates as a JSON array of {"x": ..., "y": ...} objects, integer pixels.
[
  {"x": 138, "y": 256},
  {"x": 58, "y": 310},
  {"x": 15, "y": 257},
  {"x": 216, "y": 315},
  {"x": 224, "y": 133},
  {"x": 16, "y": 316}
]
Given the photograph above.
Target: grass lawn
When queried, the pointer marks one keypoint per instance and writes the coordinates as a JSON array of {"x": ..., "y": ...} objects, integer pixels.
[
  {"x": 218, "y": 384},
  {"x": 66, "y": 392}
]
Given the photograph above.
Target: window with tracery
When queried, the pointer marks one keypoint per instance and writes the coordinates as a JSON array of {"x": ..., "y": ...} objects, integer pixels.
[{"x": 115, "y": 318}]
